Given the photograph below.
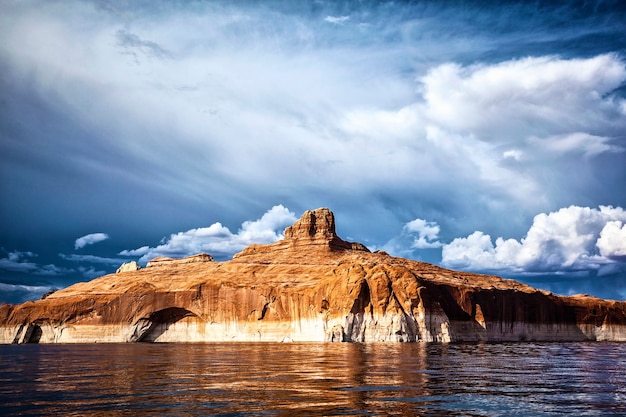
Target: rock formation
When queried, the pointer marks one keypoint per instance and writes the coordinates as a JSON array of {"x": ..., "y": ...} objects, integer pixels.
[
  {"x": 128, "y": 267},
  {"x": 165, "y": 261},
  {"x": 310, "y": 286}
]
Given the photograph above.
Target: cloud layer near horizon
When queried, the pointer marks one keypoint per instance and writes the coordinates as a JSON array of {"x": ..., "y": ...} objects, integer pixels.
[
  {"x": 569, "y": 240},
  {"x": 217, "y": 240}
]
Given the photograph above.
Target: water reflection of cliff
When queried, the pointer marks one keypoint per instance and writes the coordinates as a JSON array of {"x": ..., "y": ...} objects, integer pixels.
[
  {"x": 382, "y": 376},
  {"x": 313, "y": 379}
]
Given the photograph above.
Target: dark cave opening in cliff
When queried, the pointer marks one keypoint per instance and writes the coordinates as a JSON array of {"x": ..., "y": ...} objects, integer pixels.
[
  {"x": 35, "y": 334},
  {"x": 160, "y": 321}
]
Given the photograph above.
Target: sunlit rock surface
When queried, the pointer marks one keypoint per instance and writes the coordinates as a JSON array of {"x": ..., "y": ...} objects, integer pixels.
[
  {"x": 128, "y": 267},
  {"x": 162, "y": 260},
  {"x": 310, "y": 286}
]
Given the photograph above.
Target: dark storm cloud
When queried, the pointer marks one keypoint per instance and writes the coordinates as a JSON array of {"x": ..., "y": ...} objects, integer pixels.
[
  {"x": 18, "y": 293},
  {"x": 92, "y": 259},
  {"x": 16, "y": 261},
  {"x": 152, "y": 119}
]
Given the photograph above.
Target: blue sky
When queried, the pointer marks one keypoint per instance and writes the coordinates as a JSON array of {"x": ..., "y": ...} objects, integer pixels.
[{"x": 482, "y": 138}]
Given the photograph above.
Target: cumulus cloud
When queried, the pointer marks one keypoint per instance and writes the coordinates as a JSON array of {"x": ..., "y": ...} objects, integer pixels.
[
  {"x": 502, "y": 101},
  {"x": 417, "y": 234},
  {"x": 427, "y": 233},
  {"x": 612, "y": 240},
  {"x": 217, "y": 240},
  {"x": 531, "y": 101},
  {"x": 570, "y": 239},
  {"x": 90, "y": 239},
  {"x": 501, "y": 128}
]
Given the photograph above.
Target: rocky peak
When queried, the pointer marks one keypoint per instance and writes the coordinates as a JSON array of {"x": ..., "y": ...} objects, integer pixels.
[
  {"x": 314, "y": 224},
  {"x": 317, "y": 227},
  {"x": 314, "y": 231}
]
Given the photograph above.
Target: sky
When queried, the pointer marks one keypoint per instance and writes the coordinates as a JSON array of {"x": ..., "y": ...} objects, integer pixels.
[{"x": 479, "y": 136}]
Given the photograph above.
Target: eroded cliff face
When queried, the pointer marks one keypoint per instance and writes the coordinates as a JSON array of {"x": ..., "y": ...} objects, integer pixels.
[{"x": 310, "y": 286}]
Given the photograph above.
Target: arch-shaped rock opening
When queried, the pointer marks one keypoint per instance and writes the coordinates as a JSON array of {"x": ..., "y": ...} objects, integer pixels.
[
  {"x": 355, "y": 321},
  {"x": 36, "y": 333},
  {"x": 170, "y": 315},
  {"x": 28, "y": 333},
  {"x": 151, "y": 328}
]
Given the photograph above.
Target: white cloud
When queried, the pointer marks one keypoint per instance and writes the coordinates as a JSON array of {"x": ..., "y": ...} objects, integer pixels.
[
  {"x": 217, "y": 240},
  {"x": 336, "y": 19},
  {"x": 308, "y": 108},
  {"x": 427, "y": 233},
  {"x": 573, "y": 238},
  {"x": 400, "y": 124},
  {"x": 137, "y": 252},
  {"x": 514, "y": 154},
  {"x": 299, "y": 104},
  {"x": 612, "y": 240},
  {"x": 475, "y": 249},
  {"x": 90, "y": 239},
  {"x": 470, "y": 122},
  {"x": 513, "y": 98},
  {"x": 578, "y": 142},
  {"x": 416, "y": 234}
]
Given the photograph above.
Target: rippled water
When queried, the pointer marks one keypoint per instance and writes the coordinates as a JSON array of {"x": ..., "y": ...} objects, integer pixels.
[{"x": 313, "y": 379}]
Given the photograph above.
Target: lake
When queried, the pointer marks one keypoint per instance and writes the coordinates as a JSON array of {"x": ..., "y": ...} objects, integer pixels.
[{"x": 280, "y": 379}]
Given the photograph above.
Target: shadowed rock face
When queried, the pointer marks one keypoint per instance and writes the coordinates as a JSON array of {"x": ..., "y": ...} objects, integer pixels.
[{"x": 310, "y": 286}]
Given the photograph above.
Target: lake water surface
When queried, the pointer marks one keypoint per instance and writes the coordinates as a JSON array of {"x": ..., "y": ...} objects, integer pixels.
[{"x": 313, "y": 379}]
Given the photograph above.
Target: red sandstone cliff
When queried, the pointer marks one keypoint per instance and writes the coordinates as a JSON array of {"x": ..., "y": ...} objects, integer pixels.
[{"x": 310, "y": 286}]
